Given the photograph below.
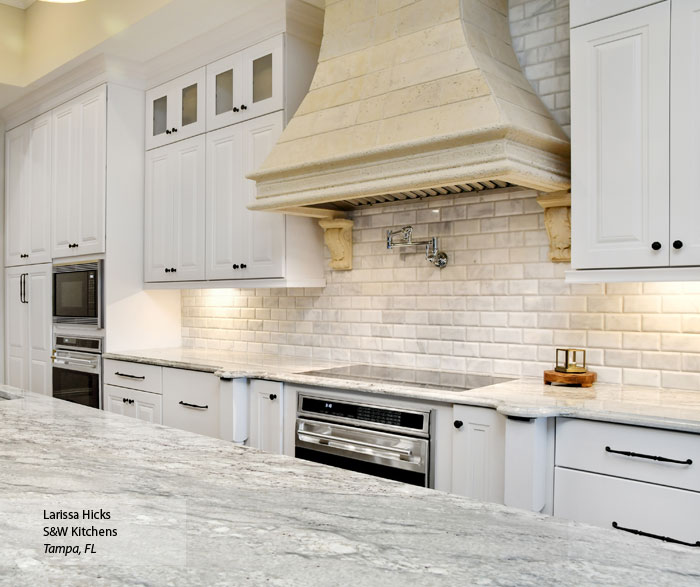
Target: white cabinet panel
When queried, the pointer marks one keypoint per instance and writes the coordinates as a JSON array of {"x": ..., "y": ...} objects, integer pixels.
[
  {"x": 585, "y": 11},
  {"x": 78, "y": 186},
  {"x": 133, "y": 403},
  {"x": 266, "y": 416},
  {"x": 175, "y": 212},
  {"x": 478, "y": 453},
  {"x": 600, "y": 500},
  {"x": 28, "y": 193},
  {"x": 133, "y": 375},
  {"x": 265, "y": 230},
  {"x": 114, "y": 399},
  {"x": 28, "y": 327},
  {"x": 176, "y": 110},
  {"x": 191, "y": 401},
  {"x": 620, "y": 138},
  {"x": 685, "y": 132}
]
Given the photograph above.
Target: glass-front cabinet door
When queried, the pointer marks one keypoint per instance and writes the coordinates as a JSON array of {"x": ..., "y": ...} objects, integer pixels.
[
  {"x": 262, "y": 68},
  {"x": 224, "y": 92},
  {"x": 175, "y": 110}
]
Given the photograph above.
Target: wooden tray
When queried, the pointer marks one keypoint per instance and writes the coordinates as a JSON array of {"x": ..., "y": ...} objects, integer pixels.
[{"x": 579, "y": 379}]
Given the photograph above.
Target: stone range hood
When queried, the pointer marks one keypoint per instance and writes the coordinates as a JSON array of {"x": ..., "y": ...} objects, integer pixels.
[{"x": 412, "y": 98}]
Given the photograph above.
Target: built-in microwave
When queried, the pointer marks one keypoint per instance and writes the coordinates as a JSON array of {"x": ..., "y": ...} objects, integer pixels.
[{"x": 77, "y": 293}]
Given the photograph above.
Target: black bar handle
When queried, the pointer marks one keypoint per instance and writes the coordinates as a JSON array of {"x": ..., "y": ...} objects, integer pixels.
[
  {"x": 628, "y": 453},
  {"x": 657, "y": 536},
  {"x": 194, "y": 406},
  {"x": 142, "y": 377}
]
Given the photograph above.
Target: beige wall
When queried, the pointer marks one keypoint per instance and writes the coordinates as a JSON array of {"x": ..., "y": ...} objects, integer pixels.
[
  {"x": 35, "y": 41},
  {"x": 11, "y": 43}
]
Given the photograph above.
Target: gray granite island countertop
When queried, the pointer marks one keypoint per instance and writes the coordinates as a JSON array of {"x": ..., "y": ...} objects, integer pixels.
[
  {"x": 254, "y": 518},
  {"x": 671, "y": 409}
]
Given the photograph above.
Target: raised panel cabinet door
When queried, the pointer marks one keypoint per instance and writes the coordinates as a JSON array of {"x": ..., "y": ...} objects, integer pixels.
[
  {"x": 620, "y": 138},
  {"x": 685, "y": 132},
  {"x": 16, "y": 330},
  {"x": 263, "y": 77},
  {"x": 478, "y": 453},
  {"x": 16, "y": 200},
  {"x": 266, "y": 416},
  {"x": 189, "y": 206},
  {"x": 89, "y": 225},
  {"x": 38, "y": 298},
  {"x": 159, "y": 217},
  {"x": 65, "y": 155},
  {"x": 224, "y": 92},
  {"x": 227, "y": 226},
  {"x": 265, "y": 230},
  {"x": 38, "y": 190},
  {"x": 147, "y": 406},
  {"x": 115, "y": 400}
]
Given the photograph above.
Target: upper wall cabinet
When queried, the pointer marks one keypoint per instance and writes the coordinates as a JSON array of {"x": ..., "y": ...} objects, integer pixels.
[
  {"x": 175, "y": 110},
  {"x": 635, "y": 83},
  {"x": 28, "y": 193},
  {"x": 246, "y": 84},
  {"x": 78, "y": 185}
]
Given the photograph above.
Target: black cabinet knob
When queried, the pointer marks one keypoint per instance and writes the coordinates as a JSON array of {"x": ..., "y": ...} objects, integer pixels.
[
  {"x": 656, "y": 245},
  {"x": 131, "y": 401},
  {"x": 167, "y": 270},
  {"x": 167, "y": 132},
  {"x": 236, "y": 109},
  {"x": 458, "y": 424},
  {"x": 235, "y": 265},
  {"x": 244, "y": 107},
  {"x": 173, "y": 270},
  {"x": 125, "y": 400},
  {"x": 243, "y": 266},
  {"x": 174, "y": 130},
  {"x": 676, "y": 245},
  {"x": 273, "y": 396}
]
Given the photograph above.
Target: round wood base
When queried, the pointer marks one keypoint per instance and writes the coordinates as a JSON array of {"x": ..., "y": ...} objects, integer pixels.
[{"x": 578, "y": 379}]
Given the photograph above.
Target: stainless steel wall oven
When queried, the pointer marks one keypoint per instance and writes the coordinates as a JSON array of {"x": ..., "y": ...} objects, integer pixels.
[
  {"x": 77, "y": 370},
  {"x": 384, "y": 441}
]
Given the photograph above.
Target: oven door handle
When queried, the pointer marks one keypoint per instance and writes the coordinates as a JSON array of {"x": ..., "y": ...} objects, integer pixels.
[{"x": 402, "y": 451}]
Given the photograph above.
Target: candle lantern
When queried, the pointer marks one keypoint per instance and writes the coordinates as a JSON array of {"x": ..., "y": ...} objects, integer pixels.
[{"x": 571, "y": 361}]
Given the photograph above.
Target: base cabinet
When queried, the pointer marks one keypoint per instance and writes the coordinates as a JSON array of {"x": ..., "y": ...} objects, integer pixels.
[
  {"x": 478, "y": 453},
  {"x": 133, "y": 403},
  {"x": 266, "y": 416},
  {"x": 191, "y": 401}
]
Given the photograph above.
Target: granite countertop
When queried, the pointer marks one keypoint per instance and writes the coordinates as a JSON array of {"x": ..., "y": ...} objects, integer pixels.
[
  {"x": 627, "y": 404},
  {"x": 193, "y": 510}
]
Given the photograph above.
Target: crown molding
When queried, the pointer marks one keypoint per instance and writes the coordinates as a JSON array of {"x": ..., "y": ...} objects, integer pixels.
[{"x": 22, "y": 4}]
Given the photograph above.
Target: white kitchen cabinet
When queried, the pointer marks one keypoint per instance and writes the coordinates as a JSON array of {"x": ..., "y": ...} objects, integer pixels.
[
  {"x": 266, "y": 416},
  {"x": 641, "y": 479},
  {"x": 191, "y": 401},
  {"x": 478, "y": 453},
  {"x": 133, "y": 403},
  {"x": 28, "y": 193},
  {"x": 176, "y": 110},
  {"x": 28, "y": 327},
  {"x": 175, "y": 212},
  {"x": 242, "y": 244},
  {"x": 620, "y": 141},
  {"x": 685, "y": 132},
  {"x": 246, "y": 84},
  {"x": 78, "y": 184}
]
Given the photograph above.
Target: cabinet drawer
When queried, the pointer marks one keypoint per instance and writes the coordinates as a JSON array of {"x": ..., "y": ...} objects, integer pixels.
[
  {"x": 191, "y": 401},
  {"x": 586, "y": 445},
  {"x": 133, "y": 375},
  {"x": 600, "y": 500}
]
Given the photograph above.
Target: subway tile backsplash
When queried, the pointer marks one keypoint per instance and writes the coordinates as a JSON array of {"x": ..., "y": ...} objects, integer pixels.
[{"x": 499, "y": 307}]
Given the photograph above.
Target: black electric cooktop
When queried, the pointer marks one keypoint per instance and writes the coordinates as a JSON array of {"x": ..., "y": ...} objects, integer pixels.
[{"x": 423, "y": 378}]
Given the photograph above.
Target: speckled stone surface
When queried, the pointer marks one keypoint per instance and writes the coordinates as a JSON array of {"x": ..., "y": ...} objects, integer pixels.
[
  {"x": 255, "y": 518},
  {"x": 626, "y": 404}
]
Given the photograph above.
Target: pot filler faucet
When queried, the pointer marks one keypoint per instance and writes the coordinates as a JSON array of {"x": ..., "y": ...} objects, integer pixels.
[{"x": 432, "y": 254}]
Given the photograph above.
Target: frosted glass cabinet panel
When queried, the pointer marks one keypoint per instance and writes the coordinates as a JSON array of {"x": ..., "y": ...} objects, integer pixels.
[
  {"x": 246, "y": 84},
  {"x": 175, "y": 110}
]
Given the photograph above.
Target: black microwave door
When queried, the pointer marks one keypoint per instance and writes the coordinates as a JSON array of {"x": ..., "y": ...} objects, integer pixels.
[{"x": 75, "y": 294}]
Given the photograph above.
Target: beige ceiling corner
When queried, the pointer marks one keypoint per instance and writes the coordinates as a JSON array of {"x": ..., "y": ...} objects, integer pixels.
[{"x": 413, "y": 94}]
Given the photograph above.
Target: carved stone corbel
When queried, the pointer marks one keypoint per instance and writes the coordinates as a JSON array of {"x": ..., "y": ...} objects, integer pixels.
[
  {"x": 557, "y": 221},
  {"x": 338, "y": 238}
]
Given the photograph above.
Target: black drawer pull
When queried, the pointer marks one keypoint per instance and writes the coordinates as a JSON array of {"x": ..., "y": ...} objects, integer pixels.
[
  {"x": 194, "y": 406},
  {"x": 129, "y": 376},
  {"x": 657, "y": 536},
  {"x": 650, "y": 457}
]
